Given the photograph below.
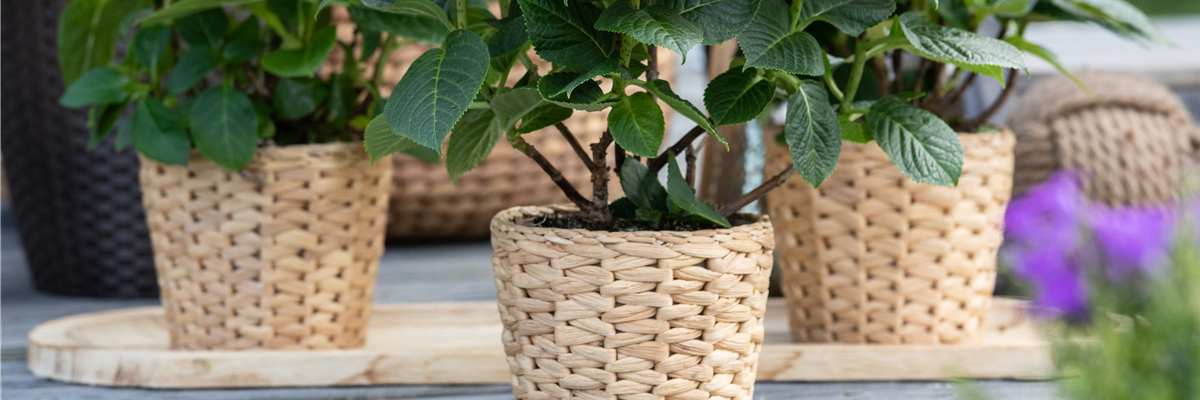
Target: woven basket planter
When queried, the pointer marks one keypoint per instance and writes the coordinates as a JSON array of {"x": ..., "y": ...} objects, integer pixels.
[
  {"x": 874, "y": 257},
  {"x": 630, "y": 315},
  {"x": 1133, "y": 138},
  {"x": 281, "y": 256}
]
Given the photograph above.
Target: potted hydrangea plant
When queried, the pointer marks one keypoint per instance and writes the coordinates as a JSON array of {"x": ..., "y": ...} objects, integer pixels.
[
  {"x": 871, "y": 257},
  {"x": 657, "y": 293},
  {"x": 265, "y": 213}
]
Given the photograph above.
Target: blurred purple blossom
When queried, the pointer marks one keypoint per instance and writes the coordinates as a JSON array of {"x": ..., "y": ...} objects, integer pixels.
[{"x": 1054, "y": 236}]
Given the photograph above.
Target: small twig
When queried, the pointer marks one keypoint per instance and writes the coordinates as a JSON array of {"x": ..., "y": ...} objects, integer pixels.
[
  {"x": 939, "y": 71},
  {"x": 974, "y": 123},
  {"x": 897, "y": 68},
  {"x": 679, "y": 147},
  {"x": 555, "y": 175},
  {"x": 258, "y": 86},
  {"x": 919, "y": 85},
  {"x": 953, "y": 98},
  {"x": 599, "y": 209},
  {"x": 652, "y": 66},
  {"x": 881, "y": 76},
  {"x": 691, "y": 165},
  {"x": 579, "y": 151},
  {"x": 619, "y": 154},
  {"x": 757, "y": 193}
]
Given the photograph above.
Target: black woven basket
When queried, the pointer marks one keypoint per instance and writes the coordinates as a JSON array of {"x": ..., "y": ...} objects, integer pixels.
[{"x": 79, "y": 213}]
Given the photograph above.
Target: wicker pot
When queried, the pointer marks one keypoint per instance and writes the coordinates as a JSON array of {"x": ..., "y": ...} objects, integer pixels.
[
  {"x": 874, "y": 257},
  {"x": 602, "y": 315},
  {"x": 78, "y": 212},
  {"x": 281, "y": 256}
]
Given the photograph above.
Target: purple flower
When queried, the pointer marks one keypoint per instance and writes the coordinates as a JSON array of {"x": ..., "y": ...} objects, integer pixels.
[{"x": 1133, "y": 240}]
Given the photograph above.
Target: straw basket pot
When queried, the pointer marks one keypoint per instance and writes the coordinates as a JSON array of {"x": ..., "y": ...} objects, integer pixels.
[
  {"x": 874, "y": 257},
  {"x": 280, "y": 256},
  {"x": 630, "y": 315}
]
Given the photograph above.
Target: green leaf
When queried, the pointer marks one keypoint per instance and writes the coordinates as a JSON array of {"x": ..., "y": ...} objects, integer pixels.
[
  {"x": 124, "y": 136},
  {"x": 509, "y": 38},
  {"x": 473, "y": 138},
  {"x": 149, "y": 45},
  {"x": 206, "y": 28},
  {"x": 855, "y": 131},
  {"x": 642, "y": 187},
  {"x": 1117, "y": 16},
  {"x": 657, "y": 25},
  {"x": 191, "y": 68},
  {"x": 587, "y": 96},
  {"x": 921, "y": 145},
  {"x": 1006, "y": 8},
  {"x": 662, "y": 89},
  {"x": 637, "y": 124},
  {"x": 956, "y": 14},
  {"x": 324, "y": 3},
  {"x": 189, "y": 7},
  {"x": 370, "y": 43},
  {"x": 102, "y": 85},
  {"x": 852, "y": 17},
  {"x": 564, "y": 33},
  {"x": 88, "y": 31},
  {"x": 437, "y": 89},
  {"x": 419, "y": 27},
  {"x": 158, "y": 134},
  {"x": 769, "y": 43},
  {"x": 682, "y": 195},
  {"x": 304, "y": 61},
  {"x": 813, "y": 134},
  {"x": 420, "y": 8},
  {"x": 243, "y": 50},
  {"x": 965, "y": 49},
  {"x": 560, "y": 83},
  {"x": 514, "y": 104},
  {"x": 105, "y": 117},
  {"x": 225, "y": 127},
  {"x": 544, "y": 116},
  {"x": 297, "y": 98},
  {"x": 1045, "y": 54},
  {"x": 380, "y": 142},
  {"x": 737, "y": 96},
  {"x": 718, "y": 20}
]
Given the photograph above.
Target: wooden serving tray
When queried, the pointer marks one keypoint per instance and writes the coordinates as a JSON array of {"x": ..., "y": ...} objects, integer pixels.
[{"x": 459, "y": 343}]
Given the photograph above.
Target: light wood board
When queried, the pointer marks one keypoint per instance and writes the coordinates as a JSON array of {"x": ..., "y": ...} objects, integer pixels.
[{"x": 459, "y": 343}]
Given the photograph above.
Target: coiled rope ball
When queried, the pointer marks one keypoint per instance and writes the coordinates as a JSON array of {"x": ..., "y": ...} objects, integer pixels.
[{"x": 1132, "y": 139}]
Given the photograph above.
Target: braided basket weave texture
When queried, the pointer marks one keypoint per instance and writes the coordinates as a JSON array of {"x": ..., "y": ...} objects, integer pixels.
[
  {"x": 283, "y": 257},
  {"x": 1133, "y": 139},
  {"x": 630, "y": 315},
  {"x": 874, "y": 257}
]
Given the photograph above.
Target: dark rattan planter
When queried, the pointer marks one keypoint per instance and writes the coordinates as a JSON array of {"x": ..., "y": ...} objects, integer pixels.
[{"x": 79, "y": 213}]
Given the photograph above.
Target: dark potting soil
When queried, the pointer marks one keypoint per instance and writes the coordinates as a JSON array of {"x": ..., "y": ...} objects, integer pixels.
[{"x": 578, "y": 221}]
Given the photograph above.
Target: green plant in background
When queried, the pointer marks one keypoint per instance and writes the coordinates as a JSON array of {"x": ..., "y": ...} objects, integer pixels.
[
  {"x": 223, "y": 76},
  {"x": 814, "y": 53}
]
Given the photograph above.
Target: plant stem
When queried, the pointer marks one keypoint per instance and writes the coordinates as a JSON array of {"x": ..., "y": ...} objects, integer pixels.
[
  {"x": 554, "y": 173},
  {"x": 460, "y": 11},
  {"x": 757, "y": 193},
  {"x": 652, "y": 66},
  {"x": 579, "y": 151},
  {"x": 381, "y": 64},
  {"x": 881, "y": 76},
  {"x": 829, "y": 82},
  {"x": 898, "y": 69},
  {"x": 919, "y": 85},
  {"x": 860, "y": 61},
  {"x": 599, "y": 210},
  {"x": 679, "y": 147},
  {"x": 973, "y": 124},
  {"x": 691, "y": 166},
  {"x": 797, "y": 5},
  {"x": 627, "y": 44},
  {"x": 619, "y": 154}
]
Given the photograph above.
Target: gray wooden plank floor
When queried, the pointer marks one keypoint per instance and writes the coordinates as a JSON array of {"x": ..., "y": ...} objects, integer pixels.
[{"x": 432, "y": 272}]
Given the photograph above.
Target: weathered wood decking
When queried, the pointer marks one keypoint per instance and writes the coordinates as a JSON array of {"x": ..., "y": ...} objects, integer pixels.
[{"x": 432, "y": 272}]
